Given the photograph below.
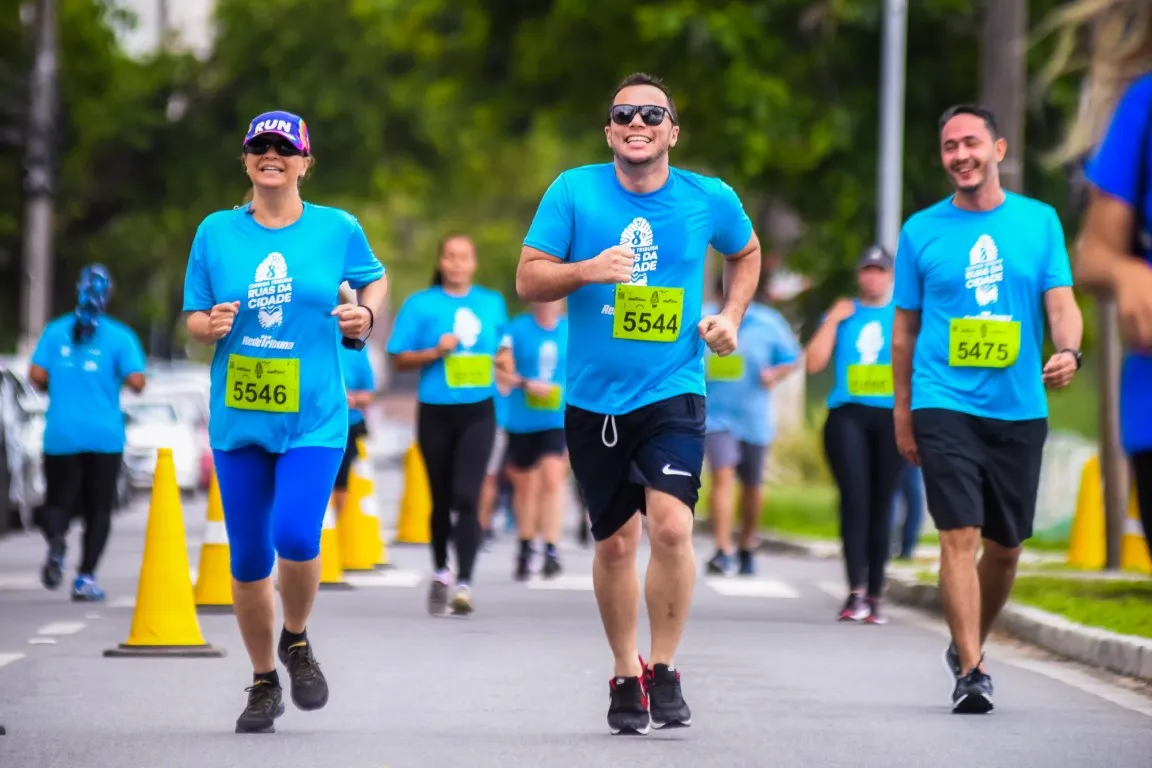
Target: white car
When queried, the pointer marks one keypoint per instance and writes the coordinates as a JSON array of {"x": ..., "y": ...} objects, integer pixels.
[{"x": 151, "y": 423}]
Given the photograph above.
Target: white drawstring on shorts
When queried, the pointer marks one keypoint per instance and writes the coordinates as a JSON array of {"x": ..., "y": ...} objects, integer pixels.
[{"x": 604, "y": 432}]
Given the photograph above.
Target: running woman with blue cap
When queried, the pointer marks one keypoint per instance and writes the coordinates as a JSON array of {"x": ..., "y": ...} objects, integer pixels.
[
  {"x": 626, "y": 242},
  {"x": 83, "y": 360},
  {"x": 263, "y": 285}
]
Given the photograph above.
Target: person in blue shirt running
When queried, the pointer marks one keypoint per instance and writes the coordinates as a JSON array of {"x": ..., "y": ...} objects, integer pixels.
[
  {"x": 262, "y": 285},
  {"x": 360, "y": 385},
  {"x": 626, "y": 242},
  {"x": 859, "y": 437},
  {"x": 1115, "y": 253},
  {"x": 740, "y": 424},
  {"x": 451, "y": 332},
  {"x": 83, "y": 360},
  {"x": 533, "y": 354},
  {"x": 974, "y": 274}
]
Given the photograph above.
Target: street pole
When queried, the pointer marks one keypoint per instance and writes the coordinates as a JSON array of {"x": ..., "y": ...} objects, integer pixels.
[
  {"x": 1113, "y": 463},
  {"x": 890, "y": 171},
  {"x": 39, "y": 187},
  {"x": 1003, "y": 74}
]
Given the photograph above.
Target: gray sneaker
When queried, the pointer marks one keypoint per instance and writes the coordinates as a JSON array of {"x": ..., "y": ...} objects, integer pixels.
[
  {"x": 438, "y": 598},
  {"x": 952, "y": 663}
]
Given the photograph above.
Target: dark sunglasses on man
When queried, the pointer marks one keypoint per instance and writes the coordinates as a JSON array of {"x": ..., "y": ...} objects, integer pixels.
[
  {"x": 651, "y": 114},
  {"x": 261, "y": 144}
]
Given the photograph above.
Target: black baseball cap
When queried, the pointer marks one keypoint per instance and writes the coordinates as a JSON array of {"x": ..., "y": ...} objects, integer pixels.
[{"x": 874, "y": 256}]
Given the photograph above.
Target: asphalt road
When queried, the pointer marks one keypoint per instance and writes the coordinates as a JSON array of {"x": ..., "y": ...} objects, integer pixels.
[{"x": 772, "y": 679}]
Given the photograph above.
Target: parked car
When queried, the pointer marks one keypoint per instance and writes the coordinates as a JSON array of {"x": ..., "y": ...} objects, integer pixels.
[
  {"x": 153, "y": 422},
  {"x": 21, "y": 422}
]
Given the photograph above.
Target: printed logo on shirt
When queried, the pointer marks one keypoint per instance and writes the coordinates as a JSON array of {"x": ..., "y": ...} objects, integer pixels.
[
  {"x": 466, "y": 327},
  {"x": 270, "y": 290},
  {"x": 639, "y": 237},
  {"x": 985, "y": 271},
  {"x": 547, "y": 357},
  {"x": 869, "y": 342}
]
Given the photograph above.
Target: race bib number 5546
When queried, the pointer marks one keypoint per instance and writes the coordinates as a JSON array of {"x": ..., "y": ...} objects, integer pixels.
[
  {"x": 648, "y": 313},
  {"x": 259, "y": 384}
]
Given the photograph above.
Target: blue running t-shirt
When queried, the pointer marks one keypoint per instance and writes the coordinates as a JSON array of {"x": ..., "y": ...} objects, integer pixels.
[
  {"x": 84, "y": 384},
  {"x": 476, "y": 319},
  {"x": 862, "y": 358},
  {"x": 978, "y": 280},
  {"x": 1116, "y": 170},
  {"x": 276, "y": 379},
  {"x": 358, "y": 376},
  {"x": 585, "y": 211},
  {"x": 540, "y": 354},
  {"x": 738, "y": 402}
]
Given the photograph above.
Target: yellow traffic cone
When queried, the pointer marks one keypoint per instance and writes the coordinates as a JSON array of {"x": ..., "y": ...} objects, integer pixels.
[
  {"x": 354, "y": 554},
  {"x": 1086, "y": 542},
  {"x": 214, "y": 576},
  {"x": 377, "y": 551},
  {"x": 415, "y": 519},
  {"x": 1134, "y": 544},
  {"x": 331, "y": 567},
  {"x": 164, "y": 622}
]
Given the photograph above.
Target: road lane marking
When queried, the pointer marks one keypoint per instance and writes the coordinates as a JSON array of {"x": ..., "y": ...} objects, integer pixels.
[
  {"x": 391, "y": 578},
  {"x": 770, "y": 588},
  {"x": 41, "y": 641},
  {"x": 61, "y": 628},
  {"x": 8, "y": 658},
  {"x": 569, "y": 582},
  {"x": 19, "y": 581}
]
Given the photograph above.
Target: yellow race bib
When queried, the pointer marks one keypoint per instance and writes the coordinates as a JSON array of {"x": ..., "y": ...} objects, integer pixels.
[
  {"x": 978, "y": 342},
  {"x": 870, "y": 380},
  {"x": 260, "y": 384},
  {"x": 648, "y": 313},
  {"x": 468, "y": 370},
  {"x": 549, "y": 403},
  {"x": 730, "y": 368}
]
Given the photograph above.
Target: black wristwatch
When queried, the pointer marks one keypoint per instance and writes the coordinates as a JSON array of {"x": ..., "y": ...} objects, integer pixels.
[
  {"x": 359, "y": 344},
  {"x": 1076, "y": 354}
]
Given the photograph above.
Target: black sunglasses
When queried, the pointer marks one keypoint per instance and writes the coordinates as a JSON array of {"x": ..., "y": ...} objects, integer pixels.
[
  {"x": 260, "y": 146},
  {"x": 622, "y": 114}
]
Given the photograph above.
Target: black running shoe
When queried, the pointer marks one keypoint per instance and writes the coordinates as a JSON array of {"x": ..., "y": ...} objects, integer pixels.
[
  {"x": 265, "y": 704},
  {"x": 669, "y": 710},
  {"x": 53, "y": 571},
  {"x": 551, "y": 566},
  {"x": 628, "y": 707},
  {"x": 973, "y": 694},
  {"x": 309, "y": 688},
  {"x": 952, "y": 662}
]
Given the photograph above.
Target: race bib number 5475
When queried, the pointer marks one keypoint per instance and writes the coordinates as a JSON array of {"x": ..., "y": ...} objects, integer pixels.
[
  {"x": 977, "y": 342},
  {"x": 648, "y": 313}
]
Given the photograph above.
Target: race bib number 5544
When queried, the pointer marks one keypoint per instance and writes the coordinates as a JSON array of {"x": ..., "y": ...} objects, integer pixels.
[
  {"x": 648, "y": 313},
  {"x": 259, "y": 384}
]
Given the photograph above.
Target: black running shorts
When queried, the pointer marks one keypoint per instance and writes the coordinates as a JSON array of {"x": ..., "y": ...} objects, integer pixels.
[
  {"x": 525, "y": 449},
  {"x": 614, "y": 458},
  {"x": 981, "y": 472}
]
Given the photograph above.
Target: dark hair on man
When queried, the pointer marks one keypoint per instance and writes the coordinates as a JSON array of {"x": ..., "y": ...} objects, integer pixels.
[
  {"x": 643, "y": 78},
  {"x": 971, "y": 109}
]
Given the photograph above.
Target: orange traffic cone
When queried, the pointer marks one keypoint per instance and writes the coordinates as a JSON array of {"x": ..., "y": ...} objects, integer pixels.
[
  {"x": 164, "y": 622},
  {"x": 214, "y": 576},
  {"x": 331, "y": 567}
]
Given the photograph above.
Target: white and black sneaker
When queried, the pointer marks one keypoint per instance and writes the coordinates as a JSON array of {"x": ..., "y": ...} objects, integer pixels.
[
  {"x": 666, "y": 700},
  {"x": 952, "y": 663},
  {"x": 973, "y": 694},
  {"x": 628, "y": 707}
]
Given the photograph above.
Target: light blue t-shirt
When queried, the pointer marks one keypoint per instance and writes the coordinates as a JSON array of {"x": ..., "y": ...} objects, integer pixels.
[
  {"x": 865, "y": 339},
  {"x": 1116, "y": 169},
  {"x": 953, "y": 263},
  {"x": 476, "y": 319},
  {"x": 287, "y": 281},
  {"x": 84, "y": 383},
  {"x": 540, "y": 355},
  {"x": 743, "y": 406},
  {"x": 501, "y": 406},
  {"x": 585, "y": 211},
  {"x": 358, "y": 377}
]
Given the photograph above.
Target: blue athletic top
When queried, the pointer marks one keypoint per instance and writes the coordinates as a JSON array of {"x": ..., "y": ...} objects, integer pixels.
[
  {"x": 1123, "y": 160},
  {"x": 612, "y": 370},
  {"x": 992, "y": 267},
  {"x": 477, "y": 321},
  {"x": 738, "y": 403},
  {"x": 862, "y": 358},
  {"x": 84, "y": 383},
  {"x": 358, "y": 376},
  {"x": 276, "y": 379},
  {"x": 540, "y": 354}
]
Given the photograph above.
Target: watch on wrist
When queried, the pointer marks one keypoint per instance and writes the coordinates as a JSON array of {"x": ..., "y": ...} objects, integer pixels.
[{"x": 1076, "y": 354}]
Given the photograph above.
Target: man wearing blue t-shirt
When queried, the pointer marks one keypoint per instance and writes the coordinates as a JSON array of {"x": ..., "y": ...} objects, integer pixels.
[
  {"x": 974, "y": 273},
  {"x": 626, "y": 243}
]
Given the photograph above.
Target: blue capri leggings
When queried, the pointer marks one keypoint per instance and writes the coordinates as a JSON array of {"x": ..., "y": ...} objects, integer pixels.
[{"x": 274, "y": 503}]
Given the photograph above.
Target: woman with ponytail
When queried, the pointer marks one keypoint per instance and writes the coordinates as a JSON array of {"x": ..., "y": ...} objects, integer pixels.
[{"x": 82, "y": 361}]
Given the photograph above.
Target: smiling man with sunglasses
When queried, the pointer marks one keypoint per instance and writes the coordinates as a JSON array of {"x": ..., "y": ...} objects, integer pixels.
[{"x": 626, "y": 242}]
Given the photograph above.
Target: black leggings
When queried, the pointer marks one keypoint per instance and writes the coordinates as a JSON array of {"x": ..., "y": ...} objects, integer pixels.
[
  {"x": 456, "y": 441},
  {"x": 1142, "y": 472},
  {"x": 860, "y": 443},
  {"x": 80, "y": 485}
]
